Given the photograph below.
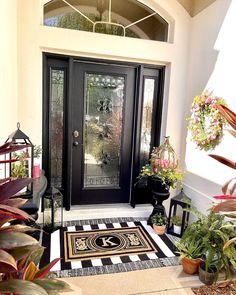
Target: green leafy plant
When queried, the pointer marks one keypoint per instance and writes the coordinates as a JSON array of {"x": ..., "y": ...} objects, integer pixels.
[
  {"x": 18, "y": 170},
  {"x": 205, "y": 238},
  {"x": 20, "y": 253},
  {"x": 159, "y": 220},
  {"x": 176, "y": 220},
  {"x": 37, "y": 151}
]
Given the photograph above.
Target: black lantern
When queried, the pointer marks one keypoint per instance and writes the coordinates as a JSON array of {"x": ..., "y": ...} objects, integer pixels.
[
  {"x": 178, "y": 217},
  {"x": 22, "y": 157},
  {"x": 52, "y": 207}
]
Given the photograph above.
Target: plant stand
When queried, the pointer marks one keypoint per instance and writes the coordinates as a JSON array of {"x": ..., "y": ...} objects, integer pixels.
[{"x": 160, "y": 193}]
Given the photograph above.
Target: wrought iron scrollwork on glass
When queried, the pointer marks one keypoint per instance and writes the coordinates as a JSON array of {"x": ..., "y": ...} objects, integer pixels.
[
  {"x": 57, "y": 80},
  {"x": 103, "y": 129},
  {"x": 104, "y": 105}
]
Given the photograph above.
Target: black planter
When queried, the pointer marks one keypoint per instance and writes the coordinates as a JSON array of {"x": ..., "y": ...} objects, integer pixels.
[
  {"x": 207, "y": 277},
  {"x": 160, "y": 193}
]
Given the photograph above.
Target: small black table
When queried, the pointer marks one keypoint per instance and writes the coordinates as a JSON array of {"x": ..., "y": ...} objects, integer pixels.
[{"x": 32, "y": 205}]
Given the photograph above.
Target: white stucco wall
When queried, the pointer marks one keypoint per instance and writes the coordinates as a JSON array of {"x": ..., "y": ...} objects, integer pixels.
[
  {"x": 8, "y": 66},
  {"x": 211, "y": 66},
  {"x": 34, "y": 38}
]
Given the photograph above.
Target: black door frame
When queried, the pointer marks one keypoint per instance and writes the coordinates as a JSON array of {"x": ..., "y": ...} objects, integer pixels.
[{"x": 66, "y": 62}]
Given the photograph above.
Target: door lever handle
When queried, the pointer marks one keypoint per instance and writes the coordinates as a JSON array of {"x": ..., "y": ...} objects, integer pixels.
[{"x": 76, "y": 133}]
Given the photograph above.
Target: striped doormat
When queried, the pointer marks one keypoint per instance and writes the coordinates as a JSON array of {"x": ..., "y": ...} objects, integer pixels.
[{"x": 162, "y": 255}]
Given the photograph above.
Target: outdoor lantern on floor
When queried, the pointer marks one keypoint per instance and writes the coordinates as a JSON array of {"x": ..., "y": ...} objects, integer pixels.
[
  {"x": 21, "y": 165},
  {"x": 52, "y": 207},
  {"x": 178, "y": 217}
]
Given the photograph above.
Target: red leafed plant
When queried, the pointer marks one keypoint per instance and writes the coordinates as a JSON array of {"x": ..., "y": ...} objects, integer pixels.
[
  {"x": 20, "y": 253},
  {"x": 230, "y": 201}
]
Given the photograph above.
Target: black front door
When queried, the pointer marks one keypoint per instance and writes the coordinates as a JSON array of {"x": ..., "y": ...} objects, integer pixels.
[
  {"x": 100, "y": 122},
  {"x": 102, "y": 104}
]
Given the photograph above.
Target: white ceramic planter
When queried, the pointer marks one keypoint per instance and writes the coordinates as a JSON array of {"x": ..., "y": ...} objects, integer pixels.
[{"x": 177, "y": 229}]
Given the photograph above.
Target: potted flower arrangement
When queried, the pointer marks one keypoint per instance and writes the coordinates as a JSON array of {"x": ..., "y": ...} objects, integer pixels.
[
  {"x": 159, "y": 223},
  {"x": 160, "y": 174},
  {"x": 163, "y": 167}
]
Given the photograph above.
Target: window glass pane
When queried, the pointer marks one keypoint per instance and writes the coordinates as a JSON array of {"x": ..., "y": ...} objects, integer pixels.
[
  {"x": 146, "y": 127},
  {"x": 103, "y": 130},
  {"x": 57, "y": 82},
  {"x": 90, "y": 15}
]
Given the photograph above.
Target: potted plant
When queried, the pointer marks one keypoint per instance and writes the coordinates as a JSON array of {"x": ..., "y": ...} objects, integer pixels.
[
  {"x": 36, "y": 168},
  {"x": 159, "y": 223},
  {"x": 160, "y": 174},
  {"x": 163, "y": 167},
  {"x": 190, "y": 247},
  {"x": 20, "y": 253},
  {"x": 177, "y": 223},
  {"x": 206, "y": 238}
]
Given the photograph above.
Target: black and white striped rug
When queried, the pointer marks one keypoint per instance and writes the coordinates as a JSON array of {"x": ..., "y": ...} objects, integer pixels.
[{"x": 54, "y": 244}]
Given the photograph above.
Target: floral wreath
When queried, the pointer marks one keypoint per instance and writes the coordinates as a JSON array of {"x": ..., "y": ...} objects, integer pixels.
[{"x": 206, "y": 123}]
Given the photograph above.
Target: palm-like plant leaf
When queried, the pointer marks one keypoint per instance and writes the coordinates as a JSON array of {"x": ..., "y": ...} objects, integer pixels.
[
  {"x": 229, "y": 205},
  {"x": 12, "y": 187},
  {"x": 227, "y": 185},
  {"x": 229, "y": 115},
  {"x": 30, "y": 271},
  {"x": 232, "y": 132},
  {"x": 15, "y": 211},
  {"x": 45, "y": 270},
  {"x": 52, "y": 284},
  {"x": 11, "y": 240},
  {"x": 224, "y": 161},
  {"x": 21, "y": 252},
  {"x": 21, "y": 287},
  {"x": 15, "y": 202},
  {"x": 18, "y": 228},
  {"x": 7, "y": 262}
]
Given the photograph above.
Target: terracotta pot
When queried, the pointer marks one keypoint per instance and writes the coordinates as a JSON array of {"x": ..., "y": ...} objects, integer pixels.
[
  {"x": 160, "y": 230},
  {"x": 190, "y": 266}
]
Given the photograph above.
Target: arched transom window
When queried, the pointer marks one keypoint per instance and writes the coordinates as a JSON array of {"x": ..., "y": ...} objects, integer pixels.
[{"x": 127, "y": 18}]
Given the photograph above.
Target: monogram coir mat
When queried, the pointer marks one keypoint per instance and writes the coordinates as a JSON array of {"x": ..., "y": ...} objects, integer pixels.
[
  {"x": 104, "y": 243},
  {"x": 94, "y": 247}
]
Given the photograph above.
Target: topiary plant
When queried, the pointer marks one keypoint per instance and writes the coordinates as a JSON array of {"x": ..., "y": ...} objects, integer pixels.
[{"x": 159, "y": 220}]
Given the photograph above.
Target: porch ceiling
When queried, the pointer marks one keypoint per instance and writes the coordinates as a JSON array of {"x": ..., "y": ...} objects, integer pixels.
[{"x": 193, "y": 7}]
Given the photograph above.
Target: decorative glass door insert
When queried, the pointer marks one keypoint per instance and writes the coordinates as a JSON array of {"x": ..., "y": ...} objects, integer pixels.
[
  {"x": 103, "y": 129},
  {"x": 102, "y": 126}
]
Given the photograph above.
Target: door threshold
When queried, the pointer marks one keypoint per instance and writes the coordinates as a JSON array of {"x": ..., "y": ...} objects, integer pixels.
[{"x": 82, "y": 212}]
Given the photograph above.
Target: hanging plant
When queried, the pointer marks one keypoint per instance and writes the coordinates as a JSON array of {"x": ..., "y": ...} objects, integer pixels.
[{"x": 206, "y": 123}]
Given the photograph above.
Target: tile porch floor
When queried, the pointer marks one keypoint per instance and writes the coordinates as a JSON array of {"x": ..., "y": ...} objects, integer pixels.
[{"x": 161, "y": 281}]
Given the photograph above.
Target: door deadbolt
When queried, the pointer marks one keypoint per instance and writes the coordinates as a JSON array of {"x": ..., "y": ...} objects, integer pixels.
[{"x": 76, "y": 134}]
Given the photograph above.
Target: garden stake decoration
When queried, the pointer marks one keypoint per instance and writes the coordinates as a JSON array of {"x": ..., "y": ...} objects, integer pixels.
[{"x": 206, "y": 123}]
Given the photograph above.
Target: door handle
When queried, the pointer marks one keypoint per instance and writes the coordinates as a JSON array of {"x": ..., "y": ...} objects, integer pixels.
[
  {"x": 75, "y": 143},
  {"x": 76, "y": 133}
]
